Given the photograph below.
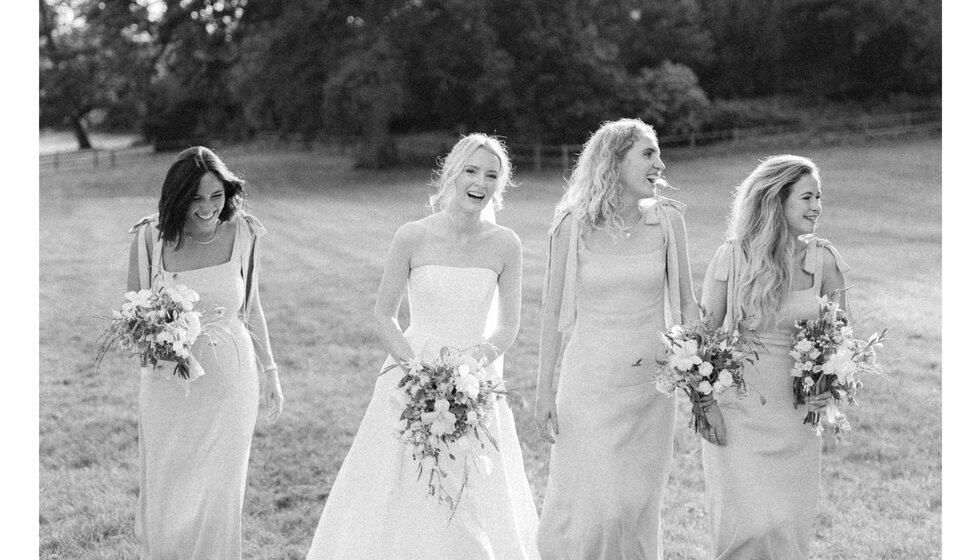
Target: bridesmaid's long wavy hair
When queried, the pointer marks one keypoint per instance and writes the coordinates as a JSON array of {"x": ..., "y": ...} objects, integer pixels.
[
  {"x": 452, "y": 165},
  {"x": 180, "y": 186},
  {"x": 758, "y": 226},
  {"x": 593, "y": 193}
]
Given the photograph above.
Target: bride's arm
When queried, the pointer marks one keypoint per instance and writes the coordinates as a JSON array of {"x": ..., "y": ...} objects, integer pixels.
[
  {"x": 509, "y": 303},
  {"x": 393, "y": 282}
]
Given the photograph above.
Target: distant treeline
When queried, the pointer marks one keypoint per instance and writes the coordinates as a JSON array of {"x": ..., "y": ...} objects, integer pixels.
[{"x": 533, "y": 70}]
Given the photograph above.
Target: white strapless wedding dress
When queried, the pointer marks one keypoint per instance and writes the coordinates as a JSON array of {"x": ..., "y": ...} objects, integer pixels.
[{"x": 378, "y": 508}]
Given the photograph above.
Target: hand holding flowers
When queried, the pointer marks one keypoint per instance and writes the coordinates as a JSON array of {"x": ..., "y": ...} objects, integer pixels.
[
  {"x": 703, "y": 362},
  {"x": 828, "y": 362},
  {"x": 160, "y": 326},
  {"x": 445, "y": 409}
]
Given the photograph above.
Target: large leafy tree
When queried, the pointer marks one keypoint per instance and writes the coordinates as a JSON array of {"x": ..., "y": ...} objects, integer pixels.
[{"x": 95, "y": 57}]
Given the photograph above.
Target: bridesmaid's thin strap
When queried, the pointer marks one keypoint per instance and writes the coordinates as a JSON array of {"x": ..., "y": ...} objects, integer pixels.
[
  {"x": 818, "y": 267},
  {"x": 156, "y": 265}
]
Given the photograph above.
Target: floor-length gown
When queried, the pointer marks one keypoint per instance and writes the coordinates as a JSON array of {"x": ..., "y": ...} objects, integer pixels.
[
  {"x": 194, "y": 446},
  {"x": 377, "y": 509},
  {"x": 611, "y": 459},
  {"x": 763, "y": 485}
]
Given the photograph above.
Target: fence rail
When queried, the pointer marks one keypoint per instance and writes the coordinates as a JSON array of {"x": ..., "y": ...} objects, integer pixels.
[{"x": 537, "y": 156}]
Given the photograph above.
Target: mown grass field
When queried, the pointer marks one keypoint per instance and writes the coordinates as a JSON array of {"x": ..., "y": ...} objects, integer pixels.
[{"x": 329, "y": 229}]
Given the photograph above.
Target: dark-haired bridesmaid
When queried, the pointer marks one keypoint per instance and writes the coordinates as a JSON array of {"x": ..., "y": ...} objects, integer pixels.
[{"x": 194, "y": 445}]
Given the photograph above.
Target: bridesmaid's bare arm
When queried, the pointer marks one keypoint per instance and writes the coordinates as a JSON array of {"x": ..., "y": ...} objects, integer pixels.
[
  {"x": 833, "y": 278},
  {"x": 550, "y": 341},
  {"x": 271, "y": 388},
  {"x": 133, "y": 276},
  {"x": 714, "y": 293},
  {"x": 393, "y": 282},
  {"x": 689, "y": 309}
]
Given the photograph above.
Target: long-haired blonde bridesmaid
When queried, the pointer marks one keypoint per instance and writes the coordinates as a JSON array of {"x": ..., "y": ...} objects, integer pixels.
[
  {"x": 617, "y": 260},
  {"x": 763, "y": 484}
]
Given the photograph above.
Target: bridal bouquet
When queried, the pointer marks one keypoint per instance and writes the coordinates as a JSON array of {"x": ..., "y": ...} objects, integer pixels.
[
  {"x": 445, "y": 405},
  {"x": 829, "y": 358},
  {"x": 160, "y": 326},
  {"x": 704, "y": 362}
]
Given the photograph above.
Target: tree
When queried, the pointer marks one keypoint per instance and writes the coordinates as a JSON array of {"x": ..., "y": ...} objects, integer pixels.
[
  {"x": 670, "y": 98},
  {"x": 93, "y": 56}
]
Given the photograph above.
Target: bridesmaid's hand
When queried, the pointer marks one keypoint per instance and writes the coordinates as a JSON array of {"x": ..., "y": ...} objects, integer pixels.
[
  {"x": 272, "y": 393},
  {"x": 545, "y": 411},
  {"x": 716, "y": 432},
  {"x": 817, "y": 403}
]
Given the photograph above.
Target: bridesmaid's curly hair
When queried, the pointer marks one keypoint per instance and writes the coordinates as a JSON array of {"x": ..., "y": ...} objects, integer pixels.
[
  {"x": 180, "y": 186},
  {"x": 758, "y": 227},
  {"x": 593, "y": 194}
]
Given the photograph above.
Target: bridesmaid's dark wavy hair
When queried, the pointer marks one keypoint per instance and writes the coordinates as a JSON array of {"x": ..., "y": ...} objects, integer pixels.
[{"x": 180, "y": 186}]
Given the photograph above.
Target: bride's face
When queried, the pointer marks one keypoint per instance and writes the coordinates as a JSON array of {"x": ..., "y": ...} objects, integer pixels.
[{"x": 476, "y": 183}]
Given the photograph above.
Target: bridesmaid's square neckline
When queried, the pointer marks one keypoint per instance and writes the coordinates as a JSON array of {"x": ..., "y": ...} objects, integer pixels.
[
  {"x": 488, "y": 269},
  {"x": 234, "y": 247},
  {"x": 648, "y": 253}
]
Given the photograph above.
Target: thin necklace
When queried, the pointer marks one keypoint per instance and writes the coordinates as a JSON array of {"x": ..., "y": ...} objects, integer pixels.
[
  {"x": 213, "y": 236},
  {"x": 628, "y": 231}
]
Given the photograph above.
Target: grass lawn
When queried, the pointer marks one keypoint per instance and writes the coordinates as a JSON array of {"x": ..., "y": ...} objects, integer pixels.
[{"x": 322, "y": 260}]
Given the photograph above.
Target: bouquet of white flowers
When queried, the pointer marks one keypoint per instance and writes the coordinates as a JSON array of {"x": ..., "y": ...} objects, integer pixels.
[
  {"x": 829, "y": 358},
  {"x": 704, "y": 362},
  {"x": 445, "y": 406},
  {"x": 160, "y": 326}
]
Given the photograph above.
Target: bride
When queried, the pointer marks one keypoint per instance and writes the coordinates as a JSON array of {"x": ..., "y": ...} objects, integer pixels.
[{"x": 453, "y": 263}]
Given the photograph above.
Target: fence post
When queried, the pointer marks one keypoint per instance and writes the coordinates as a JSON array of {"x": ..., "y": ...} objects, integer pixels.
[
  {"x": 56, "y": 160},
  {"x": 537, "y": 156},
  {"x": 564, "y": 157}
]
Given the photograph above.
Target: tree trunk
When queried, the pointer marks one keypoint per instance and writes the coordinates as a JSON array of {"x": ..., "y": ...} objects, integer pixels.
[
  {"x": 377, "y": 149},
  {"x": 81, "y": 135}
]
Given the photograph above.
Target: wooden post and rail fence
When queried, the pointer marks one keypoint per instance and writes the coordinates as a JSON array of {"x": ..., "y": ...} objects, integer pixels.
[{"x": 537, "y": 156}]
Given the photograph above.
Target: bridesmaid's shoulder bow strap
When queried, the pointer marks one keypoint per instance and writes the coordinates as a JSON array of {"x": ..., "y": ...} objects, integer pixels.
[
  {"x": 250, "y": 257},
  {"x": 661, "y": 209},
  {"x": 814, "y": 246},
  {"x": 725, "y": 261},
  {"x": 566, "y": 306},
  {"x": 144, "y": 260},
  {"x": 669, "y": 214},
  {"x": 143, "y": 221},
  {"x": 254, "y": 225}
]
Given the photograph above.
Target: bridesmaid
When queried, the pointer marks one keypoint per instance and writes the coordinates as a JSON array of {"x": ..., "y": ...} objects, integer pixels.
[
  {"x": 194, "y": 446},
  {"x": 615, "y": 245},
  {"x": 763, "y": 485}
]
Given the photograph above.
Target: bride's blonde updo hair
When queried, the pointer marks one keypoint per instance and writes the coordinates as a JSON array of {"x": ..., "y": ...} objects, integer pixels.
[
  {"x": 757, "y": 226},
  {"x": 593, "y": 194},
  {"x": 452, "y": 165}
]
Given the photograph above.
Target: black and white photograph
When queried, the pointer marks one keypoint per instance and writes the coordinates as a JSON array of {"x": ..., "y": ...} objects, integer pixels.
[{"x": 495, "y": 280}]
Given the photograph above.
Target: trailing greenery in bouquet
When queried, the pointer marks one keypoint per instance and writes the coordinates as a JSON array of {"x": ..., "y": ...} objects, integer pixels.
[
  {"x": 446, "y": 403},
  {"x": 160, "y": 326},
  {"x": 828, "y": 358},
  {"x": 704, "y": 362}
]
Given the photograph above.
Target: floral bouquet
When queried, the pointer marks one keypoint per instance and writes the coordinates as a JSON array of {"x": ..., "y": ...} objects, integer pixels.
[
  {"x": 160, "y": 326},
  {"x": 829, "y": 358},
  {"x": 703, "y": 362},
  {"x": 445, "y": 405}
]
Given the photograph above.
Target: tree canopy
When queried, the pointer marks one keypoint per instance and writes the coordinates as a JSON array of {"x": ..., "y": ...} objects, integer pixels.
[{"x": 534, "y": 70}]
